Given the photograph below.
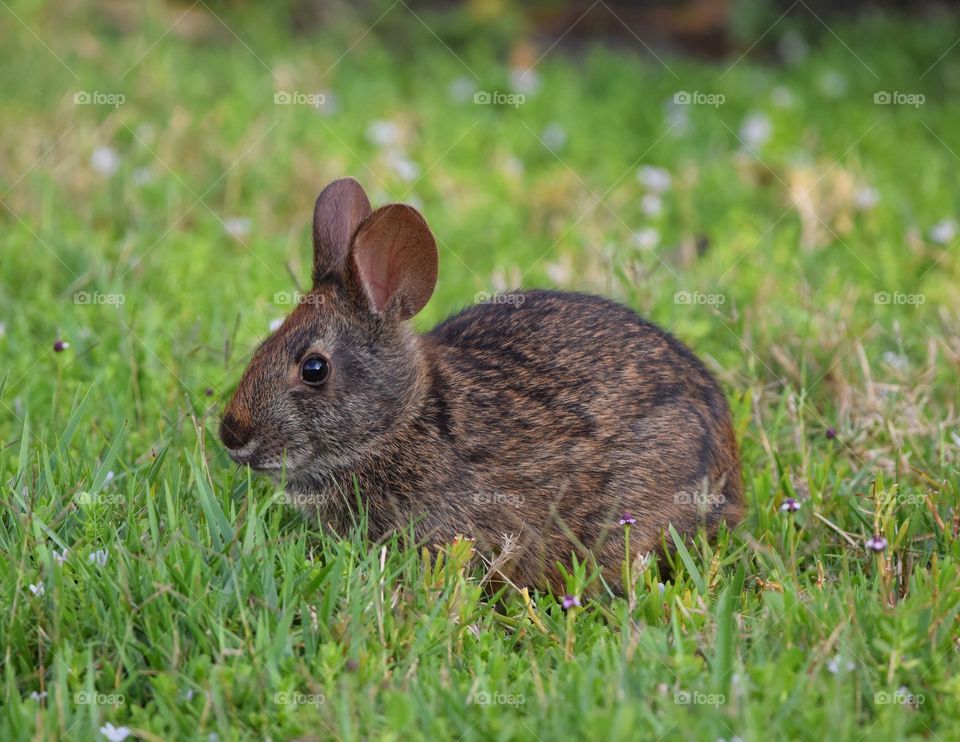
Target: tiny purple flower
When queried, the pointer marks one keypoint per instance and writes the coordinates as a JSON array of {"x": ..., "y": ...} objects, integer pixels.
[
  {"x": 60, "y": 346},
  {"x": 627, "y": 520},
  {"x": 831, "y": 433},
  {"x": 208, "y": 391},
  {"x": 570, "y": 601},
  {"x": 877, "y": 543},
  {"x": 790, "y": 505}
]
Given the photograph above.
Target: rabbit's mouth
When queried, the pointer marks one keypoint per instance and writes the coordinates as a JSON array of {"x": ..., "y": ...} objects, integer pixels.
[
  {"x": 245, "y": 454},
  {"x": 248, "y": 455},
  {"x": 265, "y": 468},
  {"x": 275, "y": 468}
]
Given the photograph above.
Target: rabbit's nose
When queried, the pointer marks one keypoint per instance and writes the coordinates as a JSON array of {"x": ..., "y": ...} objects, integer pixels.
[{"x": 232, "y": 433}]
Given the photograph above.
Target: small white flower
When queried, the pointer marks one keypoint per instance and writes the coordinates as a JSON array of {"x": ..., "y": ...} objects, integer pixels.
[
  {"x": 792, "y": 47},
  {"x": 142, "y": 176},
  {"x": 275, "y": 324},
  {"x": 651, "y": 204},
  {"x": 99, "y": 557},
  {"x": 61, "y": 556},
  {"x": 554, "y": 136},
  {"x": 524, "y": 80},
  {"x": 756, "y": 130},
  {"x": 462, "y": 89},
  {"x": 146, "y": 132},
  {"x": 559, "y": 273},
  {"x": 384, "y": 133},
  {"x": 836, "y": 664},
  {"x": 944, "y": 231},
  {"x": 677, "y": 119},
  {"x": 833, "y": 84},
  {"x": 661, "y": 587},
  {"x": 654, "y": 179},
  {"x": 513, "y": 166},
  {"x": 109, "y": 478},
  {"x": 114, "y": 734},
  {"x": 866, "y": 198},
  {"x": 782, "y": 97},
  {"x": 37, "y": 589},
  {"x": 403, "y": 166},
  {"x": 105, "y": 160},
  {"x": 38, "y": 696},
  {"x": 327, "y": 103},
  {"x": 237, "y": 226},
  {"x": 897, "y": 361},
  {"x": 647, "y": 238}
]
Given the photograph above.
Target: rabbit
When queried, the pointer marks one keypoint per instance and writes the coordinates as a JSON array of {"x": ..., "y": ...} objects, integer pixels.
[{"x": 537, "y": 423}]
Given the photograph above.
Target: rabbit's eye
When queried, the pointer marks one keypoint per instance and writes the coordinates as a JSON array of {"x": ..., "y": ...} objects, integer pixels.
[{"x": 315, "y": 370}]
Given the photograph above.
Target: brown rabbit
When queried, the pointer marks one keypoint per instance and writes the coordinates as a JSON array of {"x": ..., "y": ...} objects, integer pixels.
[{"x": 535, "y": 423}]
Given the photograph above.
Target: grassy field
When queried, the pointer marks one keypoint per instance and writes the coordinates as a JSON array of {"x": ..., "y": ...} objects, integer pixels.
[{"x": 773, "y": 211}]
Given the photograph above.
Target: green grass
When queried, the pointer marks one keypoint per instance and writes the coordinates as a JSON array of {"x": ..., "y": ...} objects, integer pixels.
[{"x": 220, "y": 611}]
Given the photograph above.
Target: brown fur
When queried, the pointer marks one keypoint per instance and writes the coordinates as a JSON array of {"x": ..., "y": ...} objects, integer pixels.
[{"x": 540, "y": 419}]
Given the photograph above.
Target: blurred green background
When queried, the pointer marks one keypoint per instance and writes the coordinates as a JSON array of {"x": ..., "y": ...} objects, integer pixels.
[{"x": 192, "y": 197}]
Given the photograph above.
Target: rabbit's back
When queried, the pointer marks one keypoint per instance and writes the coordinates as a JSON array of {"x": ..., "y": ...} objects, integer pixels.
[{"x": 571, "y": 410}]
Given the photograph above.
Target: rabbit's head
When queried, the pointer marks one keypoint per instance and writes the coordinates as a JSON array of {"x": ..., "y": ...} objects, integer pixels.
[{"x": 343, "y": 370}]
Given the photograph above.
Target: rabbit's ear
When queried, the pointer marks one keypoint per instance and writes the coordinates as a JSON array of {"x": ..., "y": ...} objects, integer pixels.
[
  {"x": 340, "y": 210},
  {"x": 395, "y": 255}
]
